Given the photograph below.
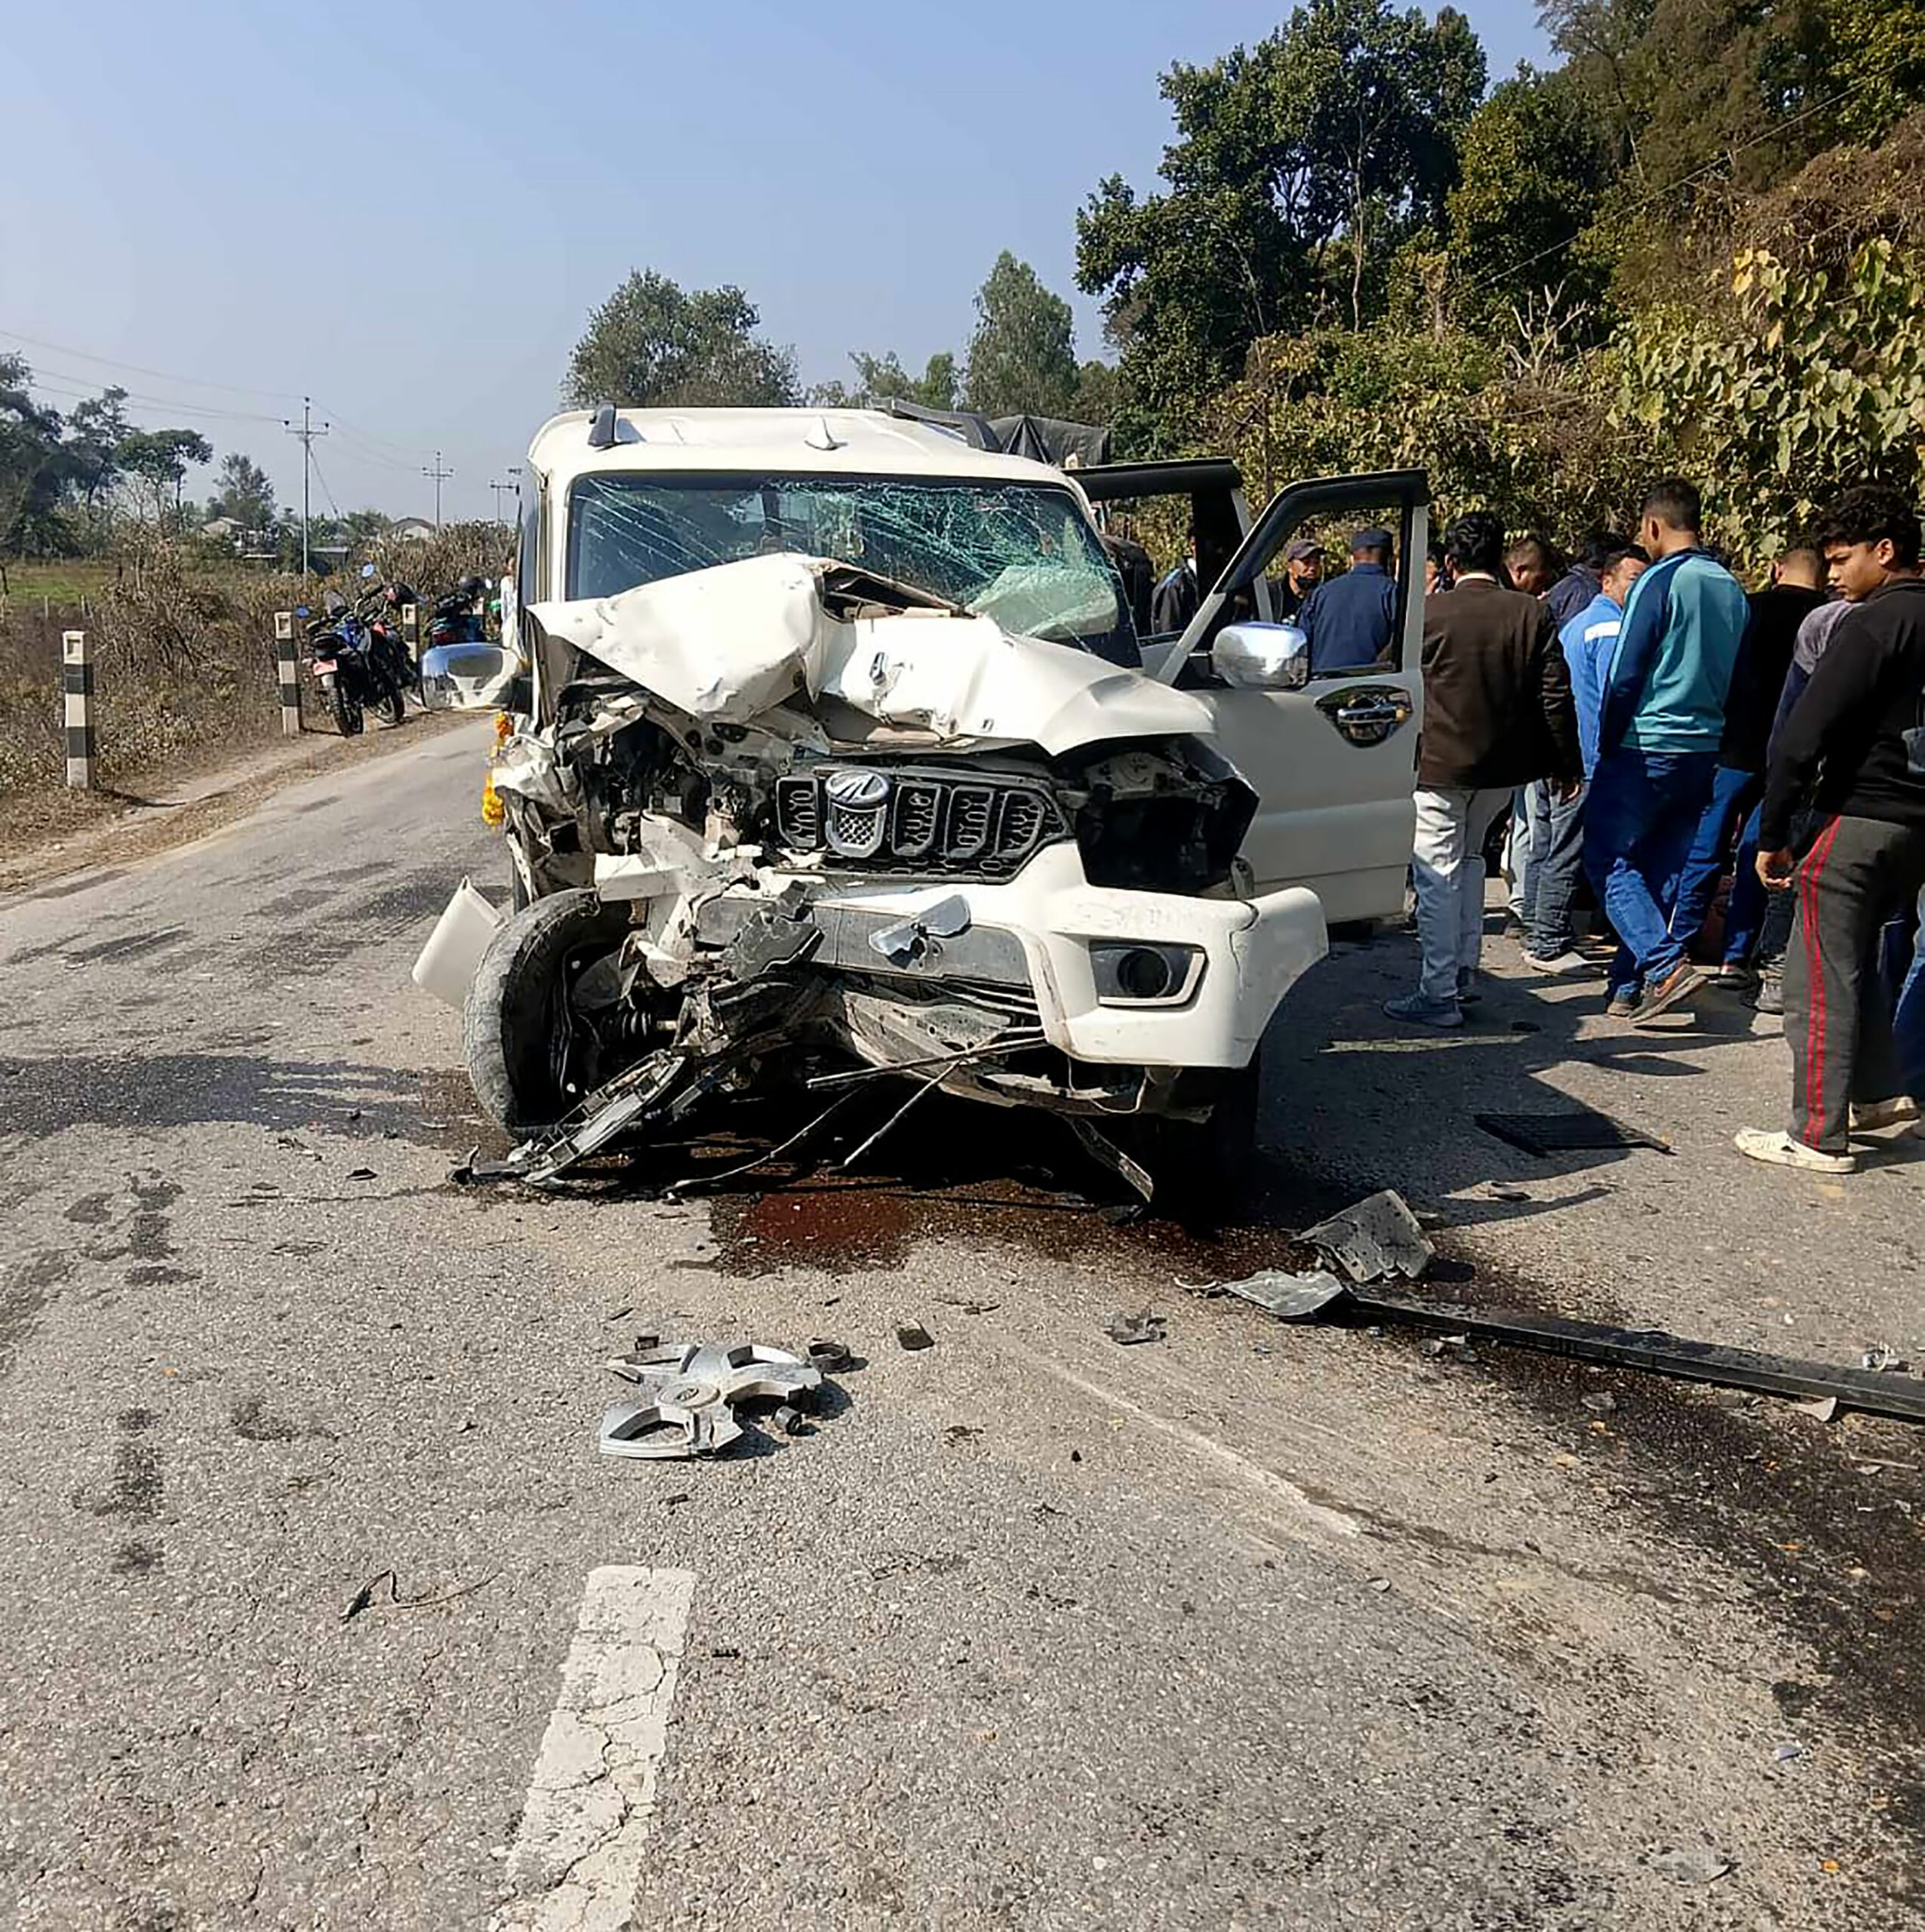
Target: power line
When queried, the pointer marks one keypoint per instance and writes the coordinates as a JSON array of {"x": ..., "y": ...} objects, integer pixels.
[
  {"x": 321, "y": 478},
  {"x": 135, "y": 368},
  {"x": 63, "y": 381},
  {"x": 1771, "y": 133}
]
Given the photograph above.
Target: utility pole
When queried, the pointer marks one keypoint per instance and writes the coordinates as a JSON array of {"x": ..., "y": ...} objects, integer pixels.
[
  {"x": 306, "y": 432},
  {"x": 440, "y": 476},
  {"x": 512, "y": 488}
]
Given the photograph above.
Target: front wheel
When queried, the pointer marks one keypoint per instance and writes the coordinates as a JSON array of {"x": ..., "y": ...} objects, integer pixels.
[
  {"x": 347, "y": 711},
  {"x": 1205, "y": 1171},
  {"x": 524, "y": 1053}
]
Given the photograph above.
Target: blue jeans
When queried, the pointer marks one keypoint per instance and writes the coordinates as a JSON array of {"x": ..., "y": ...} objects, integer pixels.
[
  {"x": 1557, "y": 864},
  {"x": 1641, "y": 821},
  {"x": 1908, "y": 1028},
  {"x": 1733, "y": 794},
  {"x": 1744, "y": 918}
]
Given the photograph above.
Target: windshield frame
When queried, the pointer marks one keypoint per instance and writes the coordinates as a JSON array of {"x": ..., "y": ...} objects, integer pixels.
[{"x": 1118, "y": 645}]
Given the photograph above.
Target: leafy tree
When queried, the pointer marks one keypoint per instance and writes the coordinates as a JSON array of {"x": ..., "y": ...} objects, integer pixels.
[
  {"x": 30, "y": 456},
  {"x": 1099, "y": 397},
  {"x": 1022, "y": 355},
  {"x": 95, "y": 429},
  {"x": 654, "y": 344},
  {"x": 882, "y": 379},
  {"x": 156, "y": 461},
  {"x": 1301, "y": 167},
  {"x": 1533, "y": 165},
  {"x": 243, "y": 493}
]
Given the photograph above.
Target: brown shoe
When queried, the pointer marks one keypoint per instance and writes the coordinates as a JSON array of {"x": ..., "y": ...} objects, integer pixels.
[{"x": 1680, "y": 983}]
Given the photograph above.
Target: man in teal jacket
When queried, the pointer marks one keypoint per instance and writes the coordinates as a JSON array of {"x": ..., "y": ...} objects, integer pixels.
[{"x": 1662, "y": 722}]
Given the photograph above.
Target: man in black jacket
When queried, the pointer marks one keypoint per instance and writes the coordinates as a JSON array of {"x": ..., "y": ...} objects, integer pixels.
[
  {"x": 1497, "y": 714},
  {"x": 1856, "y": 738}
]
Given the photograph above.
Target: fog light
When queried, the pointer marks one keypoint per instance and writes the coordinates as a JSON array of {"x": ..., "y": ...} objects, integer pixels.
[{"x": 1145, "y": 975}]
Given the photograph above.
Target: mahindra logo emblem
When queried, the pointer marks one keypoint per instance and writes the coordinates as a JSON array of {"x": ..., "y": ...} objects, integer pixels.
[{"x": 856, "y": 788}]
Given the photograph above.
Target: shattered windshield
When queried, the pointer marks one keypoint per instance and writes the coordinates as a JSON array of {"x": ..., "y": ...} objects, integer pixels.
[{"x": 1025, "y": 555}]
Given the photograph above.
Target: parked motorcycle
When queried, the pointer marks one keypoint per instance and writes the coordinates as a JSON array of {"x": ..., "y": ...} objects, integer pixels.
[
  {"x": 456, "y": 618},
  {"x": 356, "y": 654}
]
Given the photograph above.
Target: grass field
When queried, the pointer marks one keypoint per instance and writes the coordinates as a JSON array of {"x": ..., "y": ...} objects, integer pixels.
[{"x": 70, "y": 582}]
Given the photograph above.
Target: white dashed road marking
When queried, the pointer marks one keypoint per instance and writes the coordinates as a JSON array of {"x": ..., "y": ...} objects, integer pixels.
[{"x": 578, "y": 1855}]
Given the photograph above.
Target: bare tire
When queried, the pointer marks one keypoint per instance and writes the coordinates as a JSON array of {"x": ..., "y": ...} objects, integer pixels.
[
  {"x": 515, "y": 1029},
  {"x": 347, "y": 711},
  {"x": 388, "y": 706}
]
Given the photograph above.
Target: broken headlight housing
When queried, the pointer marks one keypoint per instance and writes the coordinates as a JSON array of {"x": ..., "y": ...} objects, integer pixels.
[{"x": 1162, "y": 815}]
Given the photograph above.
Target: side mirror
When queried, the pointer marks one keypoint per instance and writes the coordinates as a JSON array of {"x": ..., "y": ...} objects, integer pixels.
[
  {"x": 1262, "y": 658},
  {"x": 468, "y": 677},
  {"x": 303, "y": 609}
]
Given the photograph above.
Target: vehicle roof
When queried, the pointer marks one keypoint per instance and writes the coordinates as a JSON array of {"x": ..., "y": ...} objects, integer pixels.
[{"x": 868, "y": 443}]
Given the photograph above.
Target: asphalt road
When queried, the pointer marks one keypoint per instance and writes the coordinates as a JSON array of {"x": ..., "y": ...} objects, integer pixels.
[{"x": 323, "y": 1610}]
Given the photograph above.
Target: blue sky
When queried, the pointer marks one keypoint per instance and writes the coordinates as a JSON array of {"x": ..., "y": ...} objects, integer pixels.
[{"x": 408, "y": 209}]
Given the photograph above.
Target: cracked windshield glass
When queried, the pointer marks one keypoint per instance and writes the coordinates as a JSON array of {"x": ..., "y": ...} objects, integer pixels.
[{"x": 1025, "y": 557}]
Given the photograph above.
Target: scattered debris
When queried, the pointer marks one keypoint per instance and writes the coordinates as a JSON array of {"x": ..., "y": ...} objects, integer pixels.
[
  {"x": 1689, "y": 1866},
  {"x": 913, "y": 1335},
  {"x": 1505, "y": 1190},
  {"x": 1458, "y": 1347},
  {"x": 1601, "y": 1402},
  {"x": 368, "y": 1597},
  {"x": 827, "y": 1355},
  {"x": 1825, "y": 1408},
  {"x": 1567, "y": 1131},
  {"x": 361, "y": 1173},
  {"x": 1783, "y": 1754},
  {"x": 1129, "y": 1329},
  {"x": 1883, "y": 1359},
  {"x": 689, "y": 1393},
  {"x": 1380, "y": 1584},
  {"x": 1290, "y": 1297},
  {"x": 959, "y": 1432},
  {"x": 1378, "y": 1236}
]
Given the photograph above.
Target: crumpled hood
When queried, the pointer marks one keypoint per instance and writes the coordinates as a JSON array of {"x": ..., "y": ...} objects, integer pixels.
[{"x": 730, "y": 644}]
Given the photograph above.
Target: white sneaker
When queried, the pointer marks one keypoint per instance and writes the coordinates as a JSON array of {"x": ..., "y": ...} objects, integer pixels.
[
  {"x": 1900, "y": 1111},
  {"x": 1780, "y": 1150},
  {"x": 1569, "y": 961}
]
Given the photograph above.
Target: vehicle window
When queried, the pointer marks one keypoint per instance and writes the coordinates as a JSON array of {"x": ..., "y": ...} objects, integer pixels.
[
  {"x": 528, "y": 550},
  {"x": 1024, "y": 555}
]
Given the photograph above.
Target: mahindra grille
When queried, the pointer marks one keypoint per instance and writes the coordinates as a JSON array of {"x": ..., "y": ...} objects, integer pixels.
[{"x": 896, "y": 820}]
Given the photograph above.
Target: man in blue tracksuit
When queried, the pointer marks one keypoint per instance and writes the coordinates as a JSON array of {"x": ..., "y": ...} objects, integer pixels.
[{"x": 1661, "y": 721}]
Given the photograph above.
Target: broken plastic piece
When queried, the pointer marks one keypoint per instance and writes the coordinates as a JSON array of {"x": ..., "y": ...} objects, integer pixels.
[
  {"x": 1130, "y": 1329},
  {"x": 1690, "y": 1865},
  {"x": 915, "y": 942},
  {"x": 1379, "y": 1236},
  {"x": 690, "y": 1392},
  {"x": 827, "y": 1355},
  {"x": 913, "y": 1335},
  {"x": 1290, "y": 1297}
]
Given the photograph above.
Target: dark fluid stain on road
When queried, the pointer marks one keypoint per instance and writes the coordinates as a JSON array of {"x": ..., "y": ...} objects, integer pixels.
[
  {"x": 85, "y": 882},
  {"x": 91, "y": 1211},
  {"x": 134, "y": 946},
  {"x": 291, "y": 905},
  {"x": 27, "y": 1288},
  {"x": 409, "y": 902},
  {"x": 138, "y": 1558}
]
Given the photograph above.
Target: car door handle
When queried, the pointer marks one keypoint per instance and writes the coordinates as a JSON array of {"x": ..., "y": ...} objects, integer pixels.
[{"x": 1367, "y": 714}]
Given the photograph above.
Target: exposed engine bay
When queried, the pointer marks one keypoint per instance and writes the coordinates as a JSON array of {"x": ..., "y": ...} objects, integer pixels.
[{"x": 783, "y": 816}]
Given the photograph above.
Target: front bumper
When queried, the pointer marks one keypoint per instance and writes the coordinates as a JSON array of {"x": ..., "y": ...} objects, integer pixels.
[{"x": 1049, "y": 919}]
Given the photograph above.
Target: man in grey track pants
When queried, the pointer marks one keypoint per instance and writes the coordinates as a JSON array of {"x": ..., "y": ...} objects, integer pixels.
[{"x": 1856, "y": 738}]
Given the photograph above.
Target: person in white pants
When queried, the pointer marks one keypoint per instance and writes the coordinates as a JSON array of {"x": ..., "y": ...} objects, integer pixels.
[{"x": 1498, "y": 714}]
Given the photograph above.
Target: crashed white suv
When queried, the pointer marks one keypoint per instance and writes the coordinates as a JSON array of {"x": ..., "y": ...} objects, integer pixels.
[{"x": 834, "y": 740}]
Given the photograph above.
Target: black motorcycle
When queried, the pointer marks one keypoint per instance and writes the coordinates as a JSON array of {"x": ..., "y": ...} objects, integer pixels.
[
  {"x": 358, "y": 659},
  {"x": 456, "y": 618}
]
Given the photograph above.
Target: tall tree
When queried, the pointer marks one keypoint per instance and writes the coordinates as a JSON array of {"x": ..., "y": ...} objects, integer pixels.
[
  {"x": 883, "y": 378},
  {"x": 1301, "y": 165},
  {"x": 242, "y": 492},
  {"x": 1022, "y": 355},
  {"x": 654, "y": 344},
  {"x": 29, "y": 454},
  {"x": 155, "y": 461}
]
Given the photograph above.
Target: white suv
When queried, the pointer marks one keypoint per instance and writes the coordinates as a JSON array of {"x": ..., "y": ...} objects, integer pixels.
[{"x": 833, "y": 738}]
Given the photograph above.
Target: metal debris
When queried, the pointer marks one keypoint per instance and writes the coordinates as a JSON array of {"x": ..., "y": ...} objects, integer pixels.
[
  {"x": 690, "y": 1392},
  {"x": 913, "y": 1335},
  {"x": 1290, "y": 1297},
  {"x": 1601, "y": 1402},
  {"x": 1825, "y": 1408},
  {"x": 1379, "y": 1236},
  {"x": 1883, "y": 1359},
  {"x": 1128, "y": 1330},
  {"x": 827, "y": 1355}
]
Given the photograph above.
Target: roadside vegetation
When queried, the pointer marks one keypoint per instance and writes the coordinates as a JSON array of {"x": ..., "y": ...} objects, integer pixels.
[{"x": 1695, "y": 242}]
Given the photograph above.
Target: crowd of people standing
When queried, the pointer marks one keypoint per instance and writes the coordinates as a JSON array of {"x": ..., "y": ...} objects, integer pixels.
[{"x": 1651, "y": 727}]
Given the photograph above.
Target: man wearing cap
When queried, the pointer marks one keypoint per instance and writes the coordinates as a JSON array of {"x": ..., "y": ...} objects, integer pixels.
[
  {"x": 1303, "y": 570},
  {"x": 1349, "y": 620}
]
